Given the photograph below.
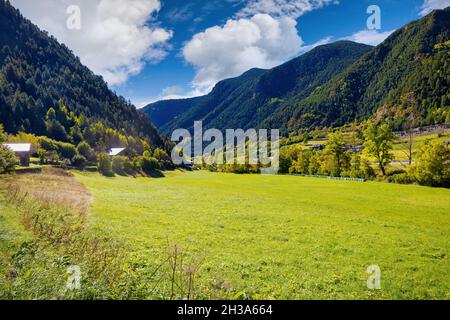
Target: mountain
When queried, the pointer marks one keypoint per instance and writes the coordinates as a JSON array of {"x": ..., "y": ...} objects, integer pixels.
[
  {"x": 37, "y": 73},
  {"x": 185, "y": 111},
  {"x": 164, "y": 111},
  {"x": 408, "y": 74},
  {"x": 248, "y": 100}
]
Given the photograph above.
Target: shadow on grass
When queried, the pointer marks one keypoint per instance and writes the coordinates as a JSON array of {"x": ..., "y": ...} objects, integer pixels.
[{"x": 156, "y": 174}]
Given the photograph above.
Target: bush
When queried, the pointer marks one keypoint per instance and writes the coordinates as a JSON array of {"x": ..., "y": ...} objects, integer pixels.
[
  {"x": 129, "y": 166},
  {"x": 163, "y": 158},
  {"x": 366, "y": 170},
  {"x": 86, "y": 151},
  {"x": 149, "y": 164},
  {"x": 48, "y": 144},
  {"x": 48, "y": 157},
  {"x": 65, "y": 150},
  {"x": 401, "y": 178},
  {"x": 105, "y": 165},
  {"x": 8, "y": 160},
  {"x": 432, "y": 165},
  {"x": 118, "y": 165},
  {"x": 395, "y": 171},
  {"x": 79, "y": 162}
]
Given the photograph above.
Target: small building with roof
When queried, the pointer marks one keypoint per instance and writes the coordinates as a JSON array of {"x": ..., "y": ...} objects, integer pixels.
[
  {"x": 117, "y": 152},
  {"x": 23, "y": 151}
]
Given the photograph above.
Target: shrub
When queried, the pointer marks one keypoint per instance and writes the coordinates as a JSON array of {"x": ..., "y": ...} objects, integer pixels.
[
  {"x": 118, "y": 165},
  {"x": 86, "y": 151},
  {"x": 366, "y": 169},
  {"x": 401, "y": 178},
  {"x": 432, "y": 165},
  {"x": 104, "y": 165},
  {"x": 48, "y": 144},
  {"x": 149, "y": 164},
  {"x": 128, "y": 166},
  {"x": 66, "y": 150},
  {"x": 79, "y": 162},
  {"x": 163, "y": 158},
  {"x": 50, "y": 157},
  {"x": 8, "y": 160}
]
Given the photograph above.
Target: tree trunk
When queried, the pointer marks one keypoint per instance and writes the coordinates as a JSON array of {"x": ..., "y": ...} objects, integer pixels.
[{"x": 382, "y": 169}]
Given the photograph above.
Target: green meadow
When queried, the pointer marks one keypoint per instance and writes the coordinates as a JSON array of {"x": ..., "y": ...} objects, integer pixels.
[{"x": 286, "y": 237}]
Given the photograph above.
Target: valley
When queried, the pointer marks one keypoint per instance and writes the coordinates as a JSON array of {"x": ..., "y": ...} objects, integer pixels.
[{"x": 98, "y": 203}]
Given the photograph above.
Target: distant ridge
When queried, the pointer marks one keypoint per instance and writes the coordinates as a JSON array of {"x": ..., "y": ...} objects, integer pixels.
[{"x": 332, "y": 85}]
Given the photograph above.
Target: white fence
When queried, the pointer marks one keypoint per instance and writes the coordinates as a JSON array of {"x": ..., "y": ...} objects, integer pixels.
[{"x": 330, "y": 178}]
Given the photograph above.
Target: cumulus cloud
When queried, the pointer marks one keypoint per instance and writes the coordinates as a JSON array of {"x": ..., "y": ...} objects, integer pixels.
[
  {"x": 174, "y": 92},
  {"x": 285, "y": 8},
  {"x": 430, "y": 5},
  {"x": 222, "y": 52},
  {"x": 370, "y": 37},
  {"x": 262, "y": 34},
  {"x": 321, "y": 42},
  {"x": 116, "y": 38},
  {"x": 168, "y": 93}
]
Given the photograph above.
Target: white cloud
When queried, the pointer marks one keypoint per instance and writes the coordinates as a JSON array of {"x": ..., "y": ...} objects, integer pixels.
[
  {"x": 430, "y": 5},
  {"x": 222, "y": 52},
  {"x": 370, "y": 37},
  {"x": 116, "y": 37},
  {"x": 321, "y": 42},
  {"x": 168, "y": 93},
  {"x": 175, "y": 92},
  {"x": 172, "y": 90},
  {"x": 285, "y": 8}
]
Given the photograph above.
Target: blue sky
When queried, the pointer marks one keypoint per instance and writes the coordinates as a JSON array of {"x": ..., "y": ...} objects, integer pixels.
[
  {"x": 174, "y": 75},
  {"x": 153, "y": 49}
]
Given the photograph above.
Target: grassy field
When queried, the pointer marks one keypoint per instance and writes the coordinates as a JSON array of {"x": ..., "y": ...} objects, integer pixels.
[
  {"x": 402, "y": 145},
  {"x": 284, "y": 237}
]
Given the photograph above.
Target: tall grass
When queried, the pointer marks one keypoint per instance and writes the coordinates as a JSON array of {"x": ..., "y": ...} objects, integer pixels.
[{"x": 55, "y": 208}]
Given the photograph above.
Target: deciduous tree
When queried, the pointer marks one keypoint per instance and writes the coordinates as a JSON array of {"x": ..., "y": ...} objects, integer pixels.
[{"x": 378, "y": 143}]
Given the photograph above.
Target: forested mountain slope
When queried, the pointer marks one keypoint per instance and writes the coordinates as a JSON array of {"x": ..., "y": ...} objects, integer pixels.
[
  {"x": 248, "y": 100},
  {"x": 409, "y": 73},
  {"x": 37, "y": 73},
  {"x": 406, "y": 77}
]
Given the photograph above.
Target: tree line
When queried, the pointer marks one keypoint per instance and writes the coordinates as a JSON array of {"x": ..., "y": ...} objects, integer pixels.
[
  {"x": 80, "y": 142},
  {"x": 364, "y": 152}
]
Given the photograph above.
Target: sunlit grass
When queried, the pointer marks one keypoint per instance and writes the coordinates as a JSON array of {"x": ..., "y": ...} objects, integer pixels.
[{"x": 282, "y": 236}]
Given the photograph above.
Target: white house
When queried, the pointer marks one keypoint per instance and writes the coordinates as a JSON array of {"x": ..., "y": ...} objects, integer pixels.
[{"x": 116, "y": 152}]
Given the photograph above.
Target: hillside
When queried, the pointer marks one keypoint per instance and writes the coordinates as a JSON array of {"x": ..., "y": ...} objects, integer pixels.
[
  {"x": 407, "y": 75},
  {"x": 248, "y": 100},
  {"x": 37, "y": 73},
  {"x": 164, "y": 111}
]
